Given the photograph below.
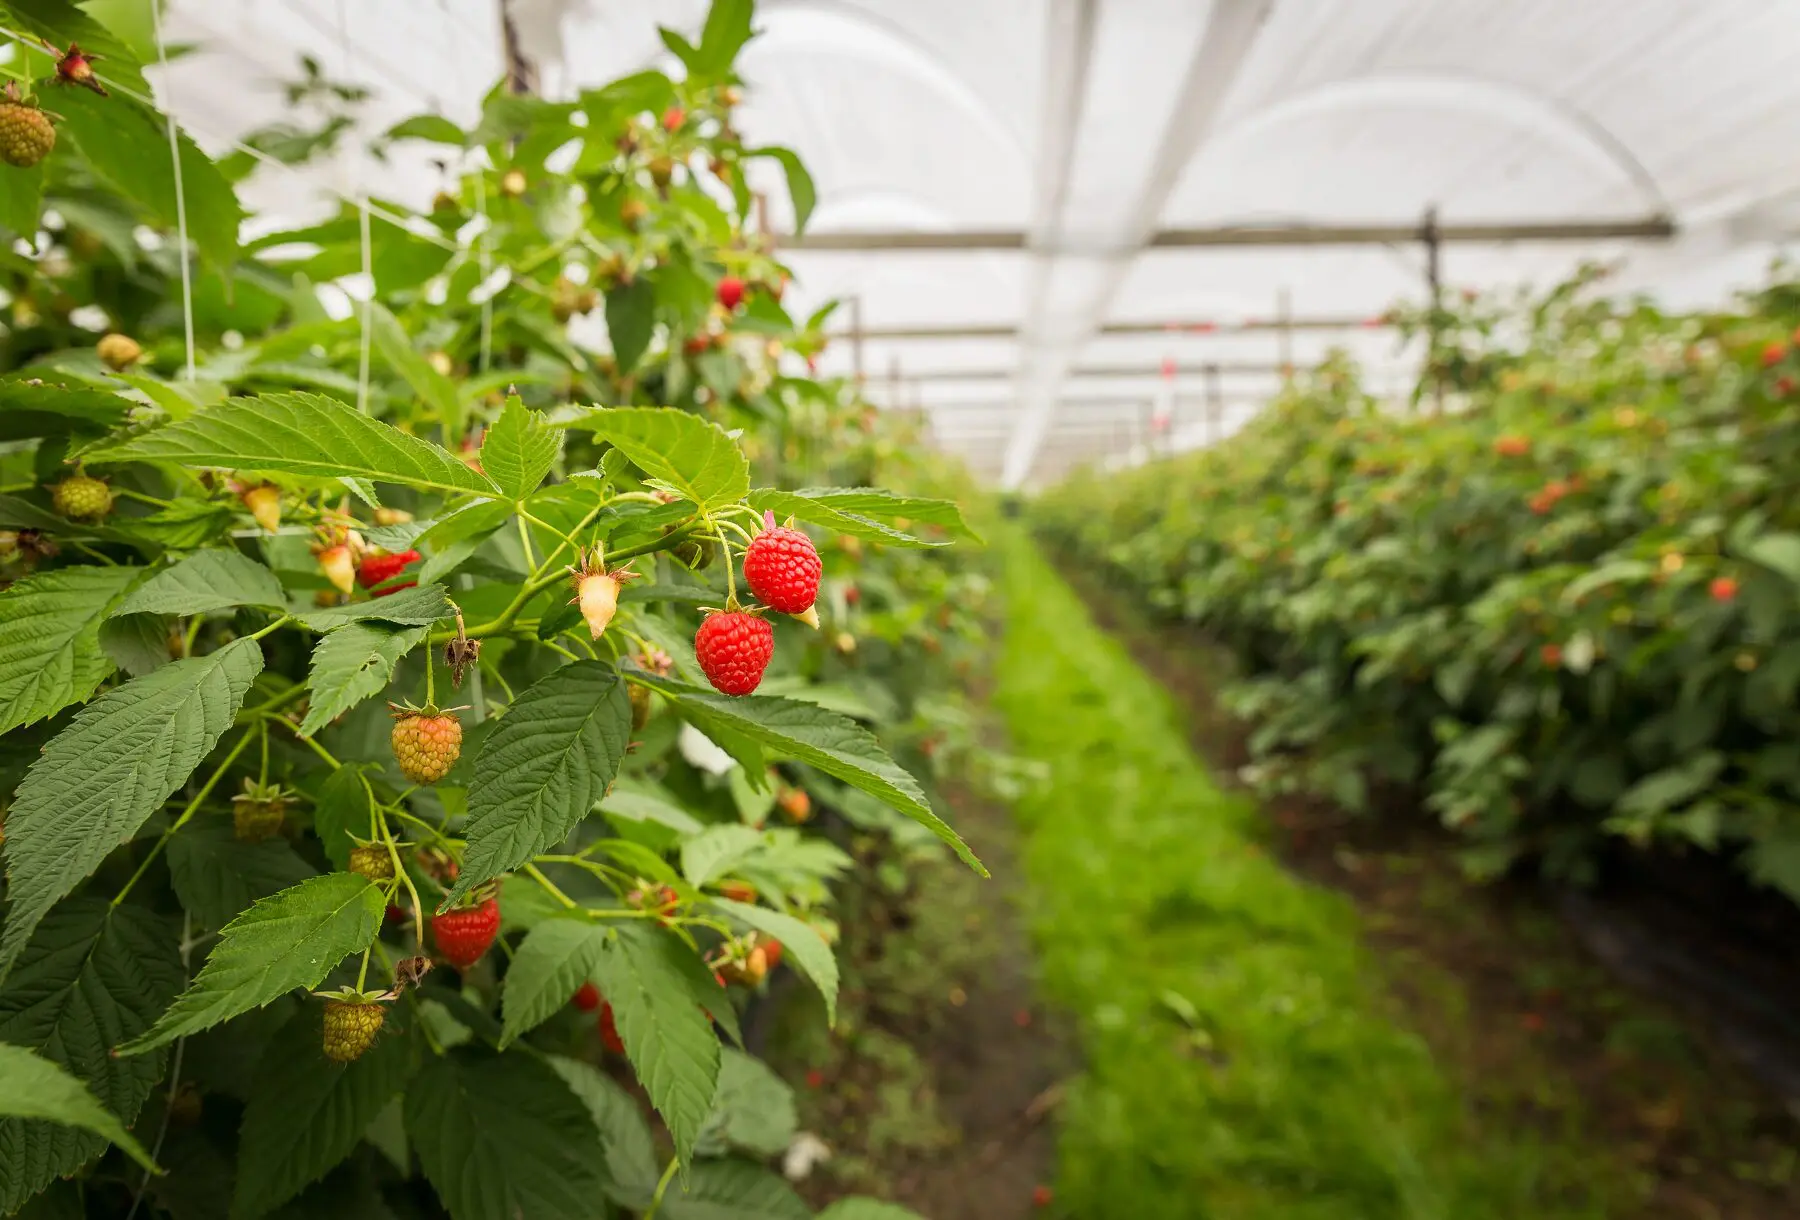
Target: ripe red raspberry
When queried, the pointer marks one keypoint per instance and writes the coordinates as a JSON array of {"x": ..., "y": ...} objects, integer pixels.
[
  {"x": 731, "y": 292},
  {"x": 426, "y": 743},
  {"x": 609, "y": 1032},
  {"x": 1774, "y": 353},
  {"x": 734, "y": 648},
  {"x": 350, "y": 1028},
  {"x": 26, "y": 136},
  {"x": 587, "y": 998},
  {"x": 1724, "y": 589},
  {"x": 379, "y": 567},
  {"x": 772, "y": 951},
  {"x": 463, "y": 934},
  {"x": 390, "y": 590},
  {"x": 81, "y": 498},
  {"x": 782, "y": 568}
]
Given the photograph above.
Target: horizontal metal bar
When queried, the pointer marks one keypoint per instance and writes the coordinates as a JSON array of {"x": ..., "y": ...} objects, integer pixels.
[
  {"x": 1646, "y": 228},
  {"x": 1182, "y": 329},
  {"x": 1224, "y": 368}
]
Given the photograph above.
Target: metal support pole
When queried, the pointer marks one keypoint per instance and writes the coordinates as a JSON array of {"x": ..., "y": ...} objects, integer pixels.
[
  {"x": 1215, "y": 405},
  {"x": 1285, "y": 314},
  {"x": 1434, "y": 281},
  {"x": 856, "y": 339}
]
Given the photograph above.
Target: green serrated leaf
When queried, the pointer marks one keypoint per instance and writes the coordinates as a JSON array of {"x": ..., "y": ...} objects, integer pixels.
[
  {"x": 351, "y": 664},
  {"x": 504, "y": 1136},
  {"x": 50, "y": 652},
  {"x": 92, "y": 975},
  {"x": 127, "y": 145},
  {"x": 206, "y": 580},
  {"x": 834, "y": 744},
  {"x": 666, "y": 1034},
  {"x": 519, "y": 450},
  {"x": 36, "y": 1088},
  {"x": 98, "y": 779},
  {"x": 308, "y": 1112},
  {"x": 712, "y": 853},
  {"x": 753, "y": 1109},
  {"x": 543, "y": 767},
  {"x": 860, "y": 1208},
  {"x": 305, "y": 434},
  {"x": 631, "y": 320},
  {"x": 137, "y": 643},
  {"x": 802, "y": 942},
  {"x": 551, "y": 965},
  {"x": 31, "y": 407},
  {"x": 691, "y": 455},
  {"x": 862, "y": 511},
  {"x": 436, "y": 128},
  {"x": 437, "y": 391},
  {"x": 726, "y": 31},
  {"x": 800, "y": 184},
  {"x": 733, "y": 1190},
  {"x": 419, "y": 606},
  {"x": 631, "y": 1167},
  {"x": 341, "y": 810},
  {"x": 217, "y": 877},
  {"x": 291, "y": 940}
]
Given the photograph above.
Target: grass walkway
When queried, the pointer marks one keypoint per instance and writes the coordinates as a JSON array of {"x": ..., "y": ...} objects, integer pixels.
[{"x": 1240, "y": 1062}]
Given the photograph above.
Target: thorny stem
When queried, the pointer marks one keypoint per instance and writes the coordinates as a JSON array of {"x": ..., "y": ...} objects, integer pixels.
[{"x": 192, "y": 807}]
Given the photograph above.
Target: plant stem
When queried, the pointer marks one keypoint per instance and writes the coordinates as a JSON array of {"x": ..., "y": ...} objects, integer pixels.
[
  {"x": 532, "y": 871},
  {"x": 192, "y": 807},
  {"x": 430, "y": 677},
  {"x": 662, "y": 1187},
  {"x": 318, "y": 749}
]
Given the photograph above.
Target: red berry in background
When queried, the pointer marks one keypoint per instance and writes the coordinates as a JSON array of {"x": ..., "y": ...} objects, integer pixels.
[
  {"x": 673, "y": 118},
  {"x": 782, "y": 568},
  {"x": 1724, "y": 589},
  {"x": 1784, "y": 386},
  {"x": 733, "y": 649},
  {"x": 587, "y": 998},
  {"x": 609, "y": 1032},
  {"x": 390, "y": 590},
  {"x": 1774, "y": 354},
  {"x": 379, "y": 567},
  {"x": 772, "y": 952},
  {"x": 815, "y": 1078},
  {"x": 1551, "y": 656},
  {"x": 464, "y": 934},
  {"x": 852, "y": 596},
  {"x": 731, "y": 292},
  {"x": 1041, "y": 1196}
]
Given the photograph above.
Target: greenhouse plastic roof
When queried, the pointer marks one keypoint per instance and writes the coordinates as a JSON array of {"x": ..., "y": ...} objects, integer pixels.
[{"x": 1080, "y": 129}]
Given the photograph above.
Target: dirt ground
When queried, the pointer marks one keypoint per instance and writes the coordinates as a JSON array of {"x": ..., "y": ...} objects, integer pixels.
[{"x": 938, "y": 1090}]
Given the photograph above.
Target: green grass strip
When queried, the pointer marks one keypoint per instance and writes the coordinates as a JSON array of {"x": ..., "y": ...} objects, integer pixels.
[{"x": 1240, "y": 1058}]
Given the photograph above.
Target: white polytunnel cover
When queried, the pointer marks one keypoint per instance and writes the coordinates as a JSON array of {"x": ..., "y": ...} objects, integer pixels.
[{"x": 1040, "y": 213}]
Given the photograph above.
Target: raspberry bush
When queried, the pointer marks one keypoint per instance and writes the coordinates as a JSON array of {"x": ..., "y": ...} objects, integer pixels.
[
  {"x": 1563, "y": 608},
  {"x": 307, "y": 953}
]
